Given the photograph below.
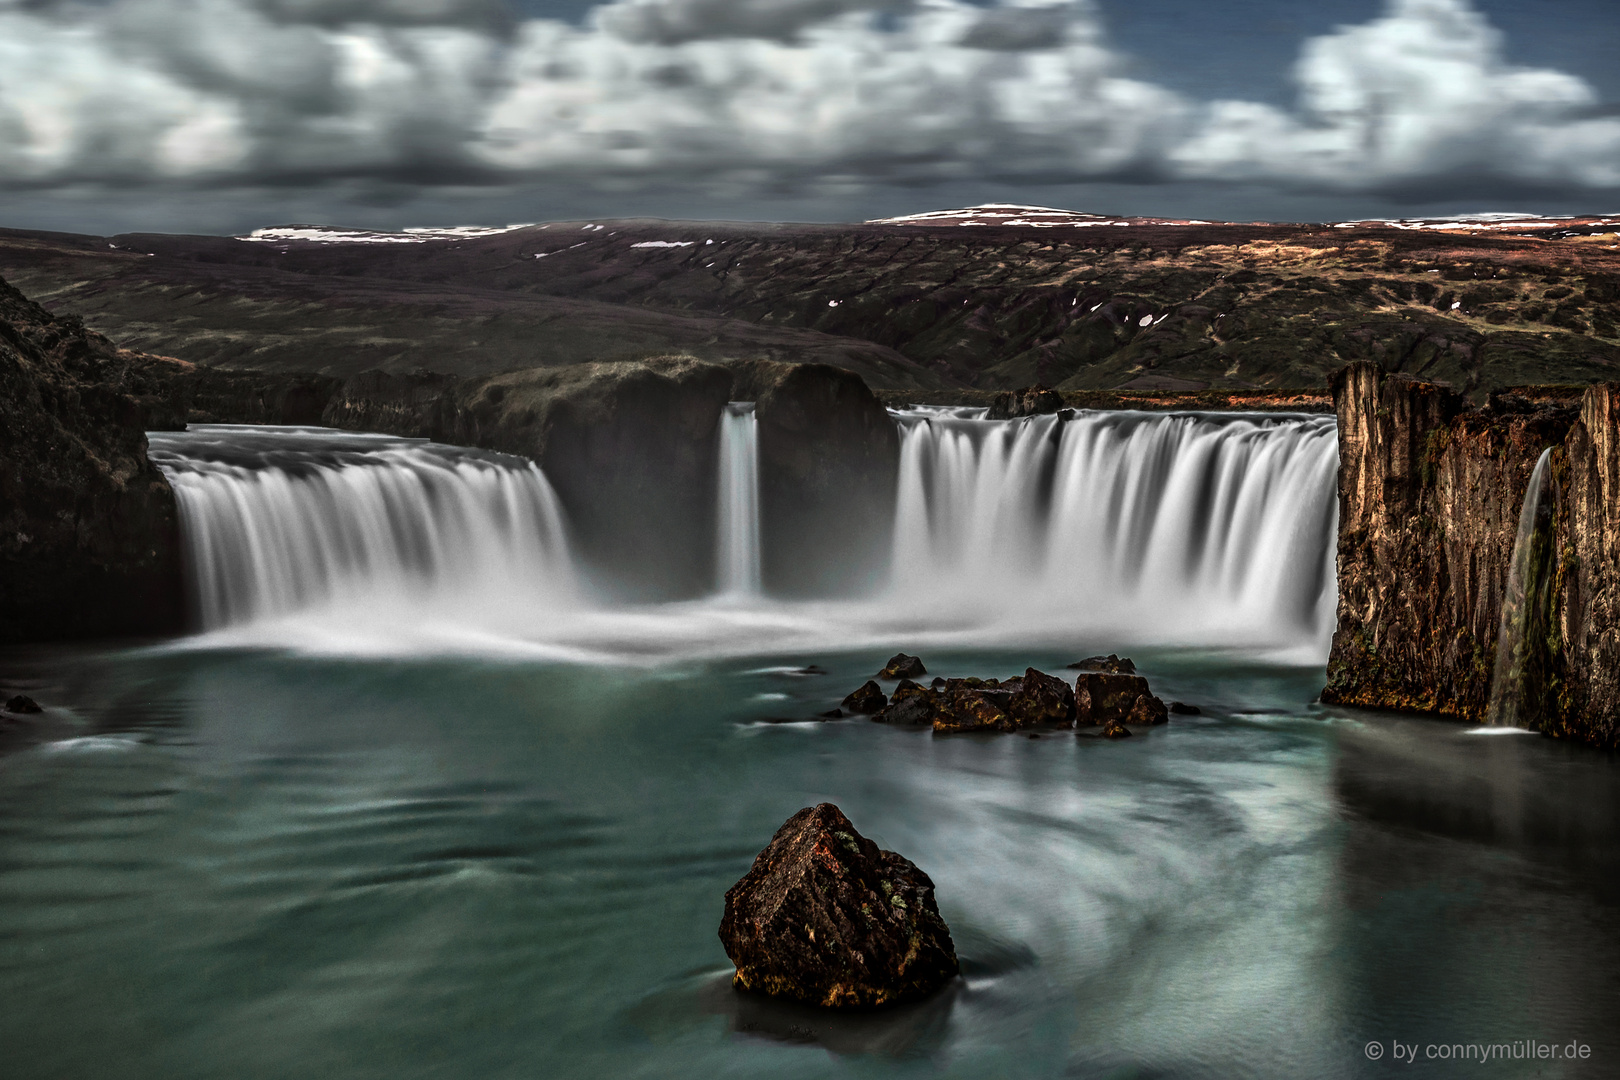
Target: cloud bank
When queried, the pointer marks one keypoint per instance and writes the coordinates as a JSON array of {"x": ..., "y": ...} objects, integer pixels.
[{"x": 755, "y": 94}]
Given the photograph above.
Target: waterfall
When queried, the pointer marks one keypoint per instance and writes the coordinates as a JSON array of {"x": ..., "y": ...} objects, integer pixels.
[
  {"x": 282, "y": 520},
  {"x": 1096, "y": 532},
  {"x": 737, "y": 562},
  {"x": 1199, "y": 528},
  {"x": 1521, "y": 601}
]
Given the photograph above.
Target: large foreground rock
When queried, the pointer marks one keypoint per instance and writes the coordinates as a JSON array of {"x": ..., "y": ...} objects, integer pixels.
[{"x": 825, "y": 917}]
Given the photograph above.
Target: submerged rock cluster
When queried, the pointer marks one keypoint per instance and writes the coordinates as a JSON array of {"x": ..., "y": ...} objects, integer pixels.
[{"x": 1107, "y": 694}]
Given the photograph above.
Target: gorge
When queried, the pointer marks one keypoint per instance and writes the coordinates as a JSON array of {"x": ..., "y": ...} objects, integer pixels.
[{"x": 457, "y": 705}]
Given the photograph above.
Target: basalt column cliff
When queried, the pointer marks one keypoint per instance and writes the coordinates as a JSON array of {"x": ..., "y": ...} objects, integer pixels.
[{"x": 1430, "y": 491}]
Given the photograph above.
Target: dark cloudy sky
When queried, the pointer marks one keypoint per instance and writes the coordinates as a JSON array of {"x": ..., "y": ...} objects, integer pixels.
[{"x": 223, "y": 115}]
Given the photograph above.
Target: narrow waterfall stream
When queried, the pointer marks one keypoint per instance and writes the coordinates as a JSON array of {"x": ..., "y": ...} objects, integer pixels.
[
  {"x": 1520, "y": 601},
  {"x": 737, "y": 562}
]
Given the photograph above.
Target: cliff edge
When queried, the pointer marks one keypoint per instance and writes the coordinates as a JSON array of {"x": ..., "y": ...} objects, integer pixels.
[{"x": 89, "y": 540}]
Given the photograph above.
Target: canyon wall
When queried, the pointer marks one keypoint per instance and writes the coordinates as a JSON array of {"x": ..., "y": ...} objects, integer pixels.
[
  {"x": 1430, "y": 491},
  {"x": 89, "y": 537}
]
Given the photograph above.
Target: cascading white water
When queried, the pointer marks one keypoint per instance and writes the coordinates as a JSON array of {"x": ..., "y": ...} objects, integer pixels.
[
  {"x": 1105, "y": 530},
  {"x": 737, "y": 563},
  {"x": 1196, "y": 528},
  {"x": 284, "y": 520},
  {"x": 1507, "y": 678}
]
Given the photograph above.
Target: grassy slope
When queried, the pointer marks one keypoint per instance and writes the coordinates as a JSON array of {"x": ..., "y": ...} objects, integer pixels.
[{"x": 1228, "y": 307}]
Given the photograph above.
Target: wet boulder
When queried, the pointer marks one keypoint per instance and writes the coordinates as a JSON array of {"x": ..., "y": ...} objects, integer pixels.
[
  {"x": 974, "y": 704},
  {"x": 901, "y": 666},
  {"x": 826, "y": 917},
  {"x": 1115, "y": 730},
  {"x": 22, "y": 703},
  {"x": 967, "y": 708},
  {"x": 1181, "y": 708},
  {"x": 1101, "y": 697},
  {"x": 1148, "y": 710},
  {"x": 912, "y": 704},
  {"x": 1113, "y": 665},
  {"x": 1039, "y": 698},
  {"x": 867, "y": 700}
]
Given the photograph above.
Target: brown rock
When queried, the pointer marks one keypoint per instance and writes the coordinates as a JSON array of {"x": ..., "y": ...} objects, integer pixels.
[
  {"x": 1115, "y": 730},
  {"x": 1113, "y": 664},
  {"x": 867, "y": 700},
  {"x": 1027, "y": 401},
  {"x": 902, "y": 666},
  {"x": 1100, "y": 697},
  {"x": 1148, "y": 710},
  {"x": 1430, "y": 492},
  {"x": 968, "y": 708},
  {"x": 1040, "y": 698},
  {"x": 826, "y": 917},
  {"x": 911, "y": 704}
]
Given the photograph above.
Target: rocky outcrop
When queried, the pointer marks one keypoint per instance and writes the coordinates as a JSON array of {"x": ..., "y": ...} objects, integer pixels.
[
  {"x": 1028, "y": 401},
  {"x": 1430, "y": 491},
  {"x": 868, "y": 699},
  {"x": 630, "y": 448},
  {"x": 949, "y": 706},
  {"x": 903, "y": 666},
  {"x": 1429, "y": 496},
  {"x": 1576, "y": 674},
  {"x": 829, "y": 464},
  {"x": 1110, "y": 663},
  {"x": 1102, "y": 697},
  {"x": 825, "y": 917},
  {"x": 89, "y": 540}
]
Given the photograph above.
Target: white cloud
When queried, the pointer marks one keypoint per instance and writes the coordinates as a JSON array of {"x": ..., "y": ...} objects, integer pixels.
[
  {"x": 1421, "y": 94},
  {"x": 759, "y": 94},
  {"x": 846, "y": 98}
]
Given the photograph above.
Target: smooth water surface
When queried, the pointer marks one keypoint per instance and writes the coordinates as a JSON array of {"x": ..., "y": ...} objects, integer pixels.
[{"x": 249, "y": 865}]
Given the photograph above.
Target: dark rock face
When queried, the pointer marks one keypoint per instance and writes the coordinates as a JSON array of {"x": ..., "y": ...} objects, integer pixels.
[
  {"x": 825, "y": 917},
  {"x": 911, "y": 704},
  {"x": 1181, "y": 708},
  {"x": 630, "y": 448},
  {"x": 1115, "y": 730},
  {"x": 958, "y": 705},
  {"x": 1102, "y": 698},
  {"x": 1147, "y": 710},
  {"x": 866, "y": 700},
  {"x": 22, "y": 703},
  {"x": 901, "y": 666},
  {"x": 89, "y": 536},
  {"x": 967, "y": 707},
  {"x": 1040, "y": 698},
  {"x": 1029, "y": 401},
  {"x": 1430, "y": 491},
  {"x": 1109, "y": 663},
  {"x": 829, "y": 464},
  {"x": 1429, "y": 497}
]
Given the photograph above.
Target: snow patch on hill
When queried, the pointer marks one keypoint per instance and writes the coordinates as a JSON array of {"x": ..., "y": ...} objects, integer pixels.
[{"x": 327, "y": 234}]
